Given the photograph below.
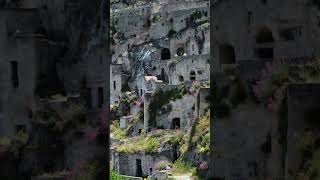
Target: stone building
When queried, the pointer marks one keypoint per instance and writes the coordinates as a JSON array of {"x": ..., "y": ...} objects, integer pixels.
[
  {"x": 20, "y": 57},
  {"x": 254, "y": 143},
  {"x": 264, "y": 31}
]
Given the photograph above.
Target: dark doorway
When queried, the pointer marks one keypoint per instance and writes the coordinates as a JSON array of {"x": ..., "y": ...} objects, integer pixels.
[
  {"x": 14, "y": 74},
  {"x": 264, "y": 36},
  {"x": 180, "y": 51},
  {"x": 227, "y": 54},
  {"x": 264, "y": 40},
  {"x": 175, "y": 152},
  {"x": 181, "y": 79},
  {"x": 264, "y": 52},
  {"x": 175, "y": 123},
  {"x": 165, "y": 54},
  {"x": 100, "y": 97},
  {"x": 163, "y": 76},
  {"x": 22, "y": 128},
  {"x": 192, "y": 75},
  {"x": 88, "y": 98},
  {"x": 138, "y": 168}
]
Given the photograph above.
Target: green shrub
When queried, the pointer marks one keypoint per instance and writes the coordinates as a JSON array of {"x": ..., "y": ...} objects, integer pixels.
[
  {"x": 140, "y": 144},
  {"x": 18, "y": 143},
  {"x": 117, "y": 132},
  {"x": 156, "y": 18},
  {"x": 280, "y": 74},
  {"x": 237, "y": 93},
  {"x": 116, "y": 176},
  {"x": 306, "y": 142},
  {"x": 183, "y": 168},
  {"x": 5, "y": 141}
]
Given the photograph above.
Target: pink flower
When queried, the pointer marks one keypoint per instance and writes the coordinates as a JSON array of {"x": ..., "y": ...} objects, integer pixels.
[{"x": 203, "y": 165}]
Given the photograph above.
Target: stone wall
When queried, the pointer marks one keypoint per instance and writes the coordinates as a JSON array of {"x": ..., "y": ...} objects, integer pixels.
[
  {"x": 238, "y": 144},
  {"x": 182, "y": 109},
  {"x": 126, "y": 163}
]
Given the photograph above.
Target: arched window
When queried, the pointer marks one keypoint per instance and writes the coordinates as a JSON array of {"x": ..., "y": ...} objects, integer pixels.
[
  {"x": 165, "y": 54},
  {"x": 181, "y": 79},
  {"x": 180, "y": 51}
]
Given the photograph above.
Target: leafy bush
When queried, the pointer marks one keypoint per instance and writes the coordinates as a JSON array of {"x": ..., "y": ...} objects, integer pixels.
[
  {"x": 237, "y": 93},
  {"x": 306, "y": 142},
  {"x": 196, "y": 14},
  {"x": 148, "y": 145},
  {"x": 117, "y": 132},
  {"x": 18, "y": 143},
  {"x": 4, "y": 141},
  {"x": 202, "y": 134},
  {"x": 156, "y": 18},
  {"x": 115, "y": 176},
  {"x": 310, "y": 74},
  {"x": 183, "y": 168},
  {"x": 271, "y": 87}
]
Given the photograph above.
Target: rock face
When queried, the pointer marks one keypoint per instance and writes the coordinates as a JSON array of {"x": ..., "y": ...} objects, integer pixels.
[{"x": 52, "y": 53}]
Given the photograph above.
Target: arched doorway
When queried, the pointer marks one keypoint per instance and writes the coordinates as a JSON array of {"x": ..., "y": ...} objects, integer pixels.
[
  {"x": 264, "y": 41},
  {"x": 227, "y": 54},
  {"x": 165, "y": 54},
  {"x": 175, "y": 124},
  {"x": 180, "y": 51},
  {"x": 192, "y": 75},
  {"x": 181, "y": 79}
]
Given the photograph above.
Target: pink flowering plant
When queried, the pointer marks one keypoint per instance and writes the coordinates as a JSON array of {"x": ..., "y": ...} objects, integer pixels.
[{"x": 270, "y": 88}]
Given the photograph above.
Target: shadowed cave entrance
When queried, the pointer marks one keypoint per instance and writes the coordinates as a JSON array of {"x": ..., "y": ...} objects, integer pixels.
[
  {"x": 165, "y": 54},
  {"x": 138, "y": 168},
  {"x": 227, "y": 54},
  {"x": 175, "y": 123},
  {"x": 264, "y": 40}
]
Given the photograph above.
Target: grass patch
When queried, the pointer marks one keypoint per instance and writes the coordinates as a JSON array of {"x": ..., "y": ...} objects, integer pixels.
[
  {"x": 181, "y": 167},
  {"x": 151, "y": 144}
]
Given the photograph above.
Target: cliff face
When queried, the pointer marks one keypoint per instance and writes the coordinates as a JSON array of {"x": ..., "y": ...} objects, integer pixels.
[{"x": 56, "y": 49}]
